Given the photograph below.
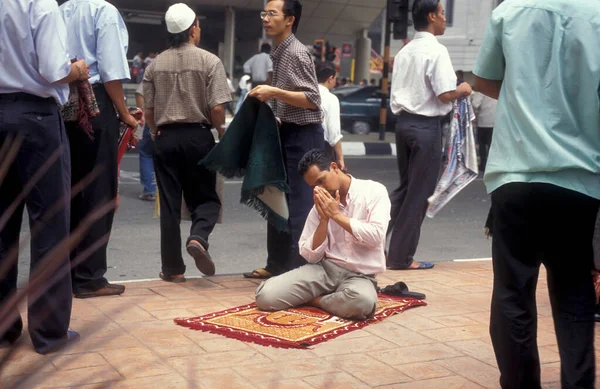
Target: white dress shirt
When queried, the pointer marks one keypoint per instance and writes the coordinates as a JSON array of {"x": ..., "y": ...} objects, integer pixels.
[
  {"x": 259, "y": 67},
  {"x": 33, "y": 49},
  {"x": 368, "y": 207},
  {"x": 422, "y": 72},
  {"x": 97, "y": 34},
  {"x": 331, "y": 116},
  {"x": 485, "y": 109}
]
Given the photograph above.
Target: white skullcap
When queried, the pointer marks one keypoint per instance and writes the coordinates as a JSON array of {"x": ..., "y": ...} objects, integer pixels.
[{"x": 179, "y": 17}]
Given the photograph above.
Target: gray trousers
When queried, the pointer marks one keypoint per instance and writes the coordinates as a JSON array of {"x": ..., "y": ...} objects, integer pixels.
[{"x": 345, "y": 294}]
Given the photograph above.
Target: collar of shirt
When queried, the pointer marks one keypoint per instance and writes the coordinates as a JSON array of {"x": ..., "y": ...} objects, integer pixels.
[
  {"x": 280, "y": 49},
  {"x": 424, "y": 35}
]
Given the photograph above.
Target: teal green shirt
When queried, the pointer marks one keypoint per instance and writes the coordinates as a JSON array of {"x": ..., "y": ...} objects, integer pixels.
[{"x": 547, "y": 130}]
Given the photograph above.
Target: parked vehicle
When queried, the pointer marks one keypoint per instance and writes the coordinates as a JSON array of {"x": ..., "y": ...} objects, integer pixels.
[{"x": 360, "y": 107}]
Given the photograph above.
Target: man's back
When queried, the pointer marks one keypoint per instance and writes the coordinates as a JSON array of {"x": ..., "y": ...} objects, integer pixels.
[
  {"x": 548, "y": 118},
  {"x": 30, "y": 60},
  {"x": 259, "y": 67},
  {"x": 186, "y": 82},
  {"x": 96, "y": 33}
]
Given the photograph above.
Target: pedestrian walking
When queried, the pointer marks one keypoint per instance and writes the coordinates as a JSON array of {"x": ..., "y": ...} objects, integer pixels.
[
  {"x": 543, "y": 174},
  {"x": 422, "y": 92},
  {"x": 485, "y": 111},
  {"x": 330, "y": 104},
  {"x": 34, "y": 81},
  {"x": 185, "y": 94},
  {"x": 260, "y": 66},
  {"x": 295, "y": 99},
  {"x": 97, "y": 34},
  {"x": 145, "y": 148}
]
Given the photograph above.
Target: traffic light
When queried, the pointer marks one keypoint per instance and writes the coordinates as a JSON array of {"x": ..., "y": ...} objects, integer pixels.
[
  {"x": 319, "y": 50},
  {"x": 399, "y": 14},
  {"x": 330, "y": 52}
]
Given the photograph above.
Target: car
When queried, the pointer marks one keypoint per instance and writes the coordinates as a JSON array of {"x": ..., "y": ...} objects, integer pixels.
[{"x": 360, "y": 107}]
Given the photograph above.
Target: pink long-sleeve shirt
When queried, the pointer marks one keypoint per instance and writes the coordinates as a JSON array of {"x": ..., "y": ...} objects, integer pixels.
[{"x": 368, "y": 207}]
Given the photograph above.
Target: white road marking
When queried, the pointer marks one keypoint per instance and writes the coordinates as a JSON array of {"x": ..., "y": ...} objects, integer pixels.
[{"x": 473, "y": 260}]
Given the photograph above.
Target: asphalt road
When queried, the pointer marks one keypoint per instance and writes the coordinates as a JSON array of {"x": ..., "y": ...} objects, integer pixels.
[{"x": 239, "y": 244}]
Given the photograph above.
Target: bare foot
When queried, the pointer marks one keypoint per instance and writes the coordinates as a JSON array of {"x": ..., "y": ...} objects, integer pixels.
[
  {"x": 315, "y": 303},
  {"x": 414, "y": 265}
]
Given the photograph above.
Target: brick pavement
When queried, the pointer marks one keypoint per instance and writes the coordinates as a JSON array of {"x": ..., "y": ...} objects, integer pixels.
[{"x": 130, "y": 341}]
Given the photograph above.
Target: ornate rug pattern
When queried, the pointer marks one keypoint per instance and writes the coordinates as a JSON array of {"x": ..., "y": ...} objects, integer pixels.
[{"x": 299, "y": 327}]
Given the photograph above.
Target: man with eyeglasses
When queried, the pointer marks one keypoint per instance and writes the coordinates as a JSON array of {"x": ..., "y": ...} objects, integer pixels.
[{"x": 295, "y": 99}]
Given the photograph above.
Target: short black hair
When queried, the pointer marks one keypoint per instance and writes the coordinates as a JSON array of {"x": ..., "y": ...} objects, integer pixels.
[
  {"x": 292, "y": 8},
  {"x": 420, "y": 12},
  {"x": 265, "y": 48},
  {"x": 314, "y": 157},
  {"x": 176, "y": 40},
  {"x": 324, "y": 71}
]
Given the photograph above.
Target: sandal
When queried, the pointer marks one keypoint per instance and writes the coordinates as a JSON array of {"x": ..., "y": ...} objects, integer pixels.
[
  {"x": 174, "y": 279},
  {"x": 259, "y": 274},
  {"x": 400, "y": 289},
  {"x": 202, "y": 258}
]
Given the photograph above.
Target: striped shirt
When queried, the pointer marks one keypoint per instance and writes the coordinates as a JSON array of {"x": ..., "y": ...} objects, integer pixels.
[{"x": 294, "y": 70}]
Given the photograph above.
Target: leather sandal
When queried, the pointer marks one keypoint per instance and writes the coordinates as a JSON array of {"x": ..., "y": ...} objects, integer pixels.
[{"x": 259, "y": 274}]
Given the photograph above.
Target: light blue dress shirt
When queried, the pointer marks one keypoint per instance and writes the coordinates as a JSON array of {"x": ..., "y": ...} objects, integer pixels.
[
  {"x": 547, "y": 130},
  {"x": 97, "y": 34},
  {"x": 33, "y": 49}
]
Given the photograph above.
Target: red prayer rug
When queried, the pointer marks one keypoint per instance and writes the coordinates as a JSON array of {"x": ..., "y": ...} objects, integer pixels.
[{"x": 299, "y": 327}]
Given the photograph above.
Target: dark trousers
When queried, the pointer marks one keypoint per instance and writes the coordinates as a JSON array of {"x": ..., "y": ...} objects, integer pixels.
[
  {"x": 282, "y": 247},
  {"x": 484, "y": 140},
  {"x": 89, "y": 154},
  {"x": 543, "y": 224},
  {"x": 419, "y": 154},
  {"x": 38, "y": 124},
  {"x": 177, "y": 150}
]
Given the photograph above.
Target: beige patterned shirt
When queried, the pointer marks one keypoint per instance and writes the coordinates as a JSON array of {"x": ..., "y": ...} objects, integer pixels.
[{"x": 182, "y": 85}]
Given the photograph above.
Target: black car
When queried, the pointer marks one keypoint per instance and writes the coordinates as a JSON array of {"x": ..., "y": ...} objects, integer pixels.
[{"x": 360, "y": 107}]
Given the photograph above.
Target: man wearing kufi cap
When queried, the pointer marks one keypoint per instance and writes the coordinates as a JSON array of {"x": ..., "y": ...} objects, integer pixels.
[{"x": 185, "y": 92}]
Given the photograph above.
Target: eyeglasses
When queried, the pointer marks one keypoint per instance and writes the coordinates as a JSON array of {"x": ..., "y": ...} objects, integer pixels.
[{"x": 270, "y": 14}]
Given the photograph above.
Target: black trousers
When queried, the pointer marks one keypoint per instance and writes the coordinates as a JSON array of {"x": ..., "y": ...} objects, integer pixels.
[
  {"x": 419, "y": 154},
  {"x": 177, "y": 150},
  {"x": 484, "y": 140},
  {"x": 38, "y": 124},
  {"x": 88, "y": 154},
  {"x": 543, "y": 224},
  {"x": 282, "y": 247}
]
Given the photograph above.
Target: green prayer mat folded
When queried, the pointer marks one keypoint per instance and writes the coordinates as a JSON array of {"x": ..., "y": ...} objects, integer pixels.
[{"x": 251, "y": 148}]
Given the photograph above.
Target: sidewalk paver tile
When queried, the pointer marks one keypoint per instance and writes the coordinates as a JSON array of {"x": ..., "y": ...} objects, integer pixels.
[
  {"x": 472, "y": 369},
  {"x": 172, "y": 343},
  {"x": 78, "y": 361},
  {"x": 424, "y": 371},
  {"x": 285, "y": 384},
  {"x": 368, "y": 369},
  {"x": 218, "y": 360},
  {"x": 281, "y": 371},
  {"x": 336, "y": 381},
  {"x": 455, "y": 382},
  {"x": 422, "y": 353}
]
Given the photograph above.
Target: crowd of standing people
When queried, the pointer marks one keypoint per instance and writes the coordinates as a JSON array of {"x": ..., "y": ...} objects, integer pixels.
[{"x": 541, "y": 164}]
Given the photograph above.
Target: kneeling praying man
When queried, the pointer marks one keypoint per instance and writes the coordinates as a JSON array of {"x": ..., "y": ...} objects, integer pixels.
[{"x": 343, "y": 240}]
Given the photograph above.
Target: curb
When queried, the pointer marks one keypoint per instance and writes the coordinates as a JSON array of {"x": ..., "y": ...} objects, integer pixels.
[{"x": 359, "y": 149}]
